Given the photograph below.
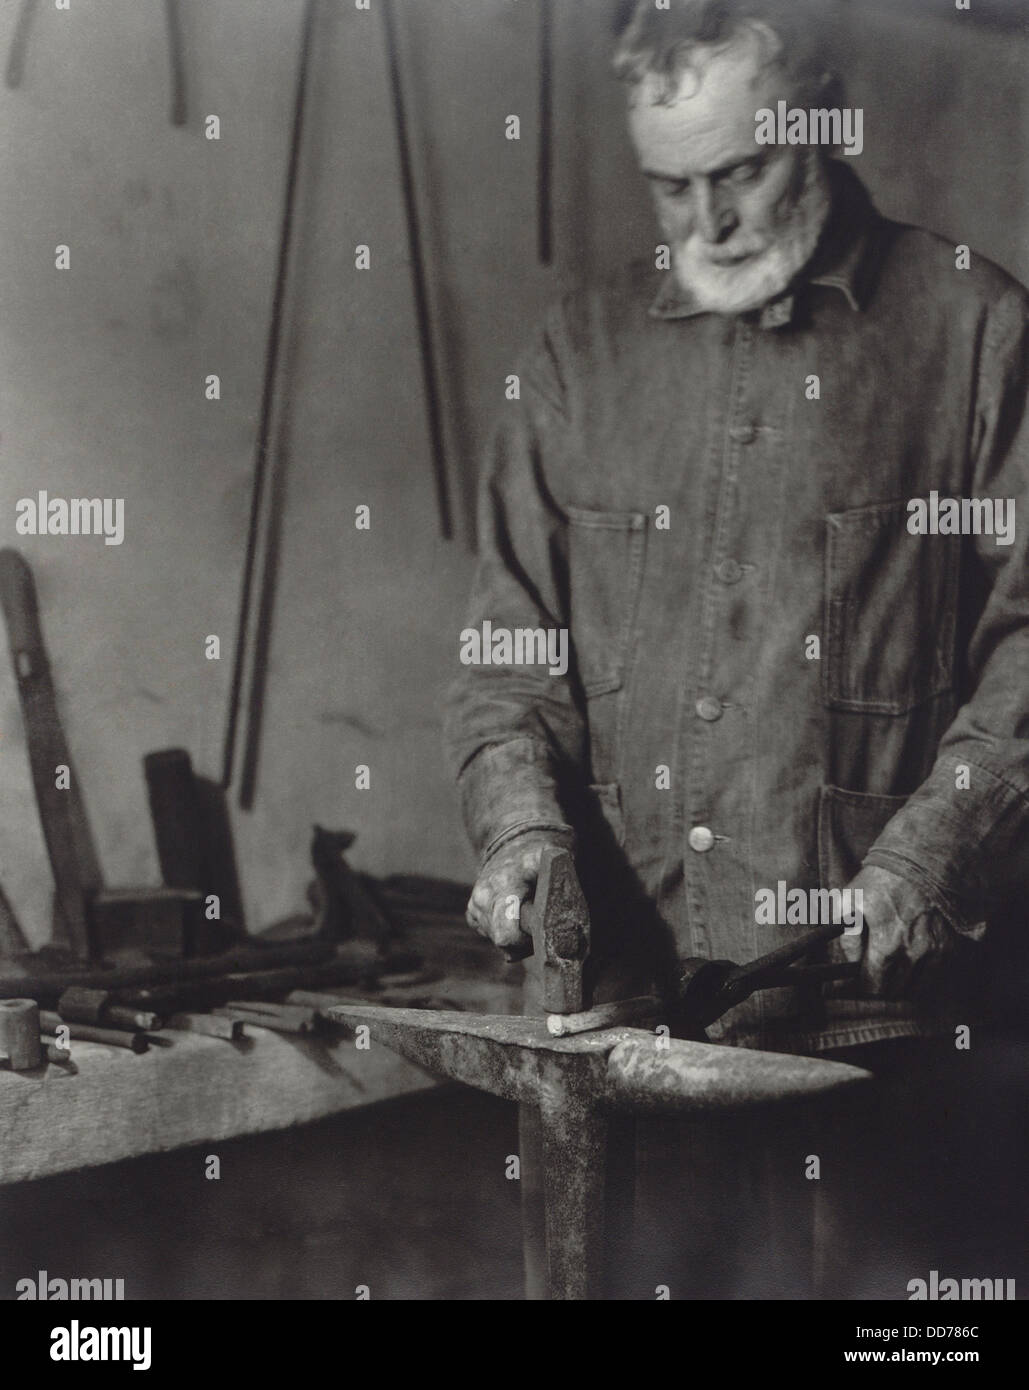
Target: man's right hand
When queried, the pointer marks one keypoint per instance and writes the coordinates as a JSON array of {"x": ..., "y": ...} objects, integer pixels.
[{"x": 507, "y": 880}]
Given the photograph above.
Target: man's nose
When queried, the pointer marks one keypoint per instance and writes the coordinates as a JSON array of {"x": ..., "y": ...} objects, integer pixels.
[{"x": 715, "y": 215}]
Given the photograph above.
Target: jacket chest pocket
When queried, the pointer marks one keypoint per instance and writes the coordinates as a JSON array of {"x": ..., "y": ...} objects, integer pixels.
[
  {"x": 890, "y": 611},
  {"x": 605, "y": 573}
]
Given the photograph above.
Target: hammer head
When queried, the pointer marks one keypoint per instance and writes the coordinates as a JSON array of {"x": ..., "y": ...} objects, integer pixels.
[{"x": 559, "y": 924}]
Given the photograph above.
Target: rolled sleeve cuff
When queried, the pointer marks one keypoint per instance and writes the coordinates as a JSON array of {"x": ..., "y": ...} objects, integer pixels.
[
  {"x": 961, "y": 851},
  {"x": 508, "y": 789}
]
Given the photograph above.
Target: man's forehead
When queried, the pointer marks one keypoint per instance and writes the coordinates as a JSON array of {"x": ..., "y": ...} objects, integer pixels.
[{"x": 710, "y": 115}]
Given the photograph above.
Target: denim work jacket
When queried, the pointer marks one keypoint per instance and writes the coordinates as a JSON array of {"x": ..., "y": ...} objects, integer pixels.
[{"x": 696, "y": 497}]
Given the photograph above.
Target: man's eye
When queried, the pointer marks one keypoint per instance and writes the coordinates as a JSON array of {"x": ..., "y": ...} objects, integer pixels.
[
  {"x": 747, "y": 173},
  {"x": 677, "y": 190}
]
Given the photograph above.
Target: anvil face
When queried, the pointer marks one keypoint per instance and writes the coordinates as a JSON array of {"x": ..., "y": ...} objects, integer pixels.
[{"x": 616, "y": 1068}]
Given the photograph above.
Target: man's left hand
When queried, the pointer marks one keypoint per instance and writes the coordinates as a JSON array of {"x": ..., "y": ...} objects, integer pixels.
[{"x": 906, "y": 939}]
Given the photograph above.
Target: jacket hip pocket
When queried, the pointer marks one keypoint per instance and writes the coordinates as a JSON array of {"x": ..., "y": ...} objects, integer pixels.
[
  {"x": 849, "y": 823},
  {"x": 605, "y": 573},
  {"x": 890, "y": 611}
]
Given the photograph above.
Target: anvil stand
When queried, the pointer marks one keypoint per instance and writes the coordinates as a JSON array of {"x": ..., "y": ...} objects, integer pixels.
[{"x": 579, "y": 1082}]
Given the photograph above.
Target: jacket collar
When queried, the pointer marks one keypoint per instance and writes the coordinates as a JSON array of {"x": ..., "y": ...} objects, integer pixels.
[{"x": 845, "y": 259}]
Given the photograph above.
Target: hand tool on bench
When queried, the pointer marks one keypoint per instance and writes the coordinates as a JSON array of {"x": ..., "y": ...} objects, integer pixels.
[
  {"x": 305, "y": 958},
  {"x": 580, "y": 1082},
  {"x": 86, "y": 1032},
  {"x": 99, "y": 1006}
]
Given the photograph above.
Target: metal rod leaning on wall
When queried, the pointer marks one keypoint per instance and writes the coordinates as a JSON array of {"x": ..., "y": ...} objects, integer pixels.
[
  {"x": 430, "y": 376},
  {"x": 545, "y": 151},
  {"x": 14, "y": 72},
  {"x": 15, "y": 69},
  {"x": 12, "y": 939},
  {"x": 269, "y": 395},
  {"x": 176, "y": 62}
]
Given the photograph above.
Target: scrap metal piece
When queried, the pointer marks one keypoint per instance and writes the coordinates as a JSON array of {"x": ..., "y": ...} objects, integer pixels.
[
  {"x": 211, "y": 1025},
  {"x": 275, "y": 1020},
  {"x": 619, "y": 1011}
]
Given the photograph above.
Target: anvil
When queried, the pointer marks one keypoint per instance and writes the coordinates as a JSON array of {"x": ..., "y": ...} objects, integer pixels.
[{"x": 577, "y": 1083}]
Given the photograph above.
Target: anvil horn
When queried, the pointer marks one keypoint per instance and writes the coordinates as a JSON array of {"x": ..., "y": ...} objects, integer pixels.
[{"x": 670, "y": 1076}]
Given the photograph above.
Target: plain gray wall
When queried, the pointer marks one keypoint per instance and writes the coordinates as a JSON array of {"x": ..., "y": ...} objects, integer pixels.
[{"x": 173, "y": 243}]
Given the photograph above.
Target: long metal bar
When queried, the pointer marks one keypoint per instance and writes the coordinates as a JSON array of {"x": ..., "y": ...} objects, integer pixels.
[
  {"x": 423, "y": 317},
  {"x": 12, "y": 939},
  {"x": 176, "y": 62},
  {"x": 15, "y": 69},
  {"x": 545, "y": 149},
  {"x": 268, "y": 399}
]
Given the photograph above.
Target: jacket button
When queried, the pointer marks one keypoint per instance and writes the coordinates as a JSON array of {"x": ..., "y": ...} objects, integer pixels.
[
  {"x": 701, "y": 839},
  {"x": 729, "y": 571},
  {"x": 743, "y": 434},
  {"x": 709, "y": 708}
]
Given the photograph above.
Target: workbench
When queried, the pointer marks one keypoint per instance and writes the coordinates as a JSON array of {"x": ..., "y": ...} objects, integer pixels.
[{"x": 108, "y": 1104}]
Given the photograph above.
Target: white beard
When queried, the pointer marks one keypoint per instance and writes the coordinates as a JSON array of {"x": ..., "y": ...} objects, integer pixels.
[{"x": 729, "y": 289}]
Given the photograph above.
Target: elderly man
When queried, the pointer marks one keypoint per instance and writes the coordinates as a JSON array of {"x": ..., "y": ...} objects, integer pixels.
[{"x": 728, "y": 482}]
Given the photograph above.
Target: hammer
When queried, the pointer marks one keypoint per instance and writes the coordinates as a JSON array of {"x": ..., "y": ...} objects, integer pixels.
[{"x": 556, "y": 927}]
